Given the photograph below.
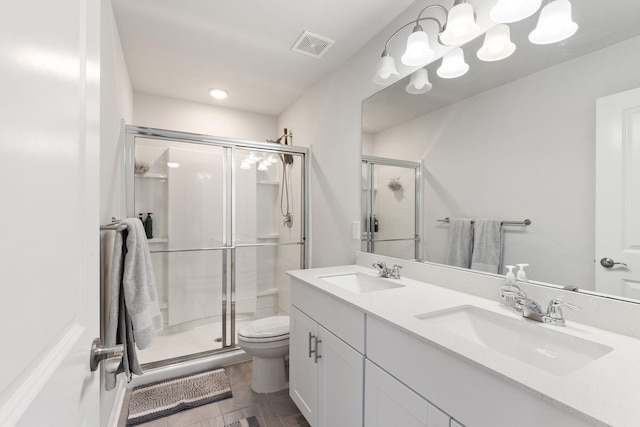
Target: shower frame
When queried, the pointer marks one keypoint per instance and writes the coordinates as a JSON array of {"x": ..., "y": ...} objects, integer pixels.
[
  {"x": 229, "y": 244},
  {"x": 368, "y": 196}
]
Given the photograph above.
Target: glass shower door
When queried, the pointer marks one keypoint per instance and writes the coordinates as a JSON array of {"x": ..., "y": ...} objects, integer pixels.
[
  {"x": 268, "y": 231},
  {"x": 184, "y": 188}
]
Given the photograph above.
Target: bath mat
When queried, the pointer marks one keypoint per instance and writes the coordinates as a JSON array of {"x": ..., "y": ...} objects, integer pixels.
[
  {"x": 163, "y": 398},
  {"x": 246, "y": 422}
]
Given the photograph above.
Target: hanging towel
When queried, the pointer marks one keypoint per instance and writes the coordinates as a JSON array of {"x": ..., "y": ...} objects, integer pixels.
[
  {"x": 460, "y": 242},
  {"x": 487, "y": 245},
  {"x": 134, "y": 313}
]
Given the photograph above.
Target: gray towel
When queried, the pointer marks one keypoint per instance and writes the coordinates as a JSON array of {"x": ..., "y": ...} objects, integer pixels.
[
  {"x": 134, "y": 313},
  {"x": 460, "y": 242},
  {"x": 487, "y": 245}
]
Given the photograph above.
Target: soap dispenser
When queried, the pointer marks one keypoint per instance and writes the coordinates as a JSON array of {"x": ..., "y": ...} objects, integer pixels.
[
  {"x": 148, "y": 226},
  {"x": 521, "y": 274},
  {"x": 510, "y": 291}
]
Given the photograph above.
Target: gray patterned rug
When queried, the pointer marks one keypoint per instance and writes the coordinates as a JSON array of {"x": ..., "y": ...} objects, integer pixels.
[
  {"x": 157, "y": 400},
  {"x": 246, "y": 422}
]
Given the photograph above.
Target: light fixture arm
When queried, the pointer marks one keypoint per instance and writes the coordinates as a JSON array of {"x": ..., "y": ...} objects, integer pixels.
[{"x": 416, "y": 23}]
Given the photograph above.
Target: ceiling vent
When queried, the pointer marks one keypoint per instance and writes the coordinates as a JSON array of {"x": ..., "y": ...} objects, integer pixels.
[{"x": 312, "y": 44}]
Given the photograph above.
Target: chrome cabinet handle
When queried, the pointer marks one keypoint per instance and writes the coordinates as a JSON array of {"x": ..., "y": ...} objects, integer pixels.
[
  {"x": 608, "y": 263},
  {"x": 317, "y": 355},
  {"x": 310, "y": 339}
]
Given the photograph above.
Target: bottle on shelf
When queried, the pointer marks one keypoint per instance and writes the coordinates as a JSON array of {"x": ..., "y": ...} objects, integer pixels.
[
  {"x": 141, "y": 219},
  {"x": 148, "y": 226}
]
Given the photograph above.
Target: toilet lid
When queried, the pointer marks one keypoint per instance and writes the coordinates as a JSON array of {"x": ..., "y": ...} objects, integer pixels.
[{"x": 269, "y": 327}]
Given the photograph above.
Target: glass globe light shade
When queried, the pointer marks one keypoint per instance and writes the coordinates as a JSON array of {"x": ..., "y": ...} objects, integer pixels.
[
  {"x": 497, "y": 44},
  {"x": 555, "y": 23}
]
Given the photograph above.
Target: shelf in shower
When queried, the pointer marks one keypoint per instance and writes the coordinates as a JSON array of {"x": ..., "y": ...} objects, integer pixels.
[
  {"x": 153, "y": 176},
  {"x": 267, "y": 182},
  {"x": 158, "y": 240}
]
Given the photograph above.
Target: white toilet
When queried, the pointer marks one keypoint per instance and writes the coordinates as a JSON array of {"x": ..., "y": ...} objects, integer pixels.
[{"x": 267, "y": 340}]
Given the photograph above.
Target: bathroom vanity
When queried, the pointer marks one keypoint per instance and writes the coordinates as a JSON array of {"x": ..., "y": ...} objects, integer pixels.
[{"x": 375, "y": 352}]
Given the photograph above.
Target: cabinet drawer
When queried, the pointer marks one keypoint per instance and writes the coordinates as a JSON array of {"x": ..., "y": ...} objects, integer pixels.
[{"x": 340, "y": 318}]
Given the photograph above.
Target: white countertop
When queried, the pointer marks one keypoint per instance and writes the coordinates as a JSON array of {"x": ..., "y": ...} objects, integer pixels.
[{"x": 604, "y": 392}]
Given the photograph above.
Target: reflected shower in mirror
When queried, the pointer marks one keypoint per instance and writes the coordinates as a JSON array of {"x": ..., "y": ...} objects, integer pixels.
[{"x": 515, "y": 139}]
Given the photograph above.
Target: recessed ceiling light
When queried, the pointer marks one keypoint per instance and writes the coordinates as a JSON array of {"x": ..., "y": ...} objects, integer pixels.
[{"x": 219, "y": 93}]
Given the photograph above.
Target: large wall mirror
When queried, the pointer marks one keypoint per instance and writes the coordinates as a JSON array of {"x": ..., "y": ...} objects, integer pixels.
[{"x": 517, "y": 139}]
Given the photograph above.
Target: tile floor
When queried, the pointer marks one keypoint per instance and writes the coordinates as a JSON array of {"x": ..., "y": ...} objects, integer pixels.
[{"x": 271, "y": 410}]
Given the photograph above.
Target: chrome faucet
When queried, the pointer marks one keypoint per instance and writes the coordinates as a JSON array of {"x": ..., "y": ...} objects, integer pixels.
[
  {"x": 386, "y": 272},
  {"x": 553, "y": 316}
]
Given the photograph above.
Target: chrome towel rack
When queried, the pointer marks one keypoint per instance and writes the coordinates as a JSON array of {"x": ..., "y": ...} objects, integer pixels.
[
  {"x": 113, "y": 225},
  {"x": 523, "y": 222}
]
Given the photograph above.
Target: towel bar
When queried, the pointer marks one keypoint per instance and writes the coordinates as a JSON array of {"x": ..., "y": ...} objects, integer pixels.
[{"x": 524, "y": 222}]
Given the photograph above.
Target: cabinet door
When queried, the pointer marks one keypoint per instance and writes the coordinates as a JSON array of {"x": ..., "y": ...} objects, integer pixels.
[
  {"x": 437, "y": 418},
  {"x": 340, "y": 382},
  {"x": 389, "y": 403},
  {"x": 303, "y": 383}
]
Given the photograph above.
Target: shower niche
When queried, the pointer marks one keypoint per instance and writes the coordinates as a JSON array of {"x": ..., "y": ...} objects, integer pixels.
[{"x": 220, "y": 248}]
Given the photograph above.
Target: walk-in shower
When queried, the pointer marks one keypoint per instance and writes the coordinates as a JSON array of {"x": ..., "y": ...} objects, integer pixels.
[{"x": 220, "y": 247}]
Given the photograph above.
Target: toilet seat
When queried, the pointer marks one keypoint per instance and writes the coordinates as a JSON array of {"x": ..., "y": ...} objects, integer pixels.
[{"x": 268, "y": 329}]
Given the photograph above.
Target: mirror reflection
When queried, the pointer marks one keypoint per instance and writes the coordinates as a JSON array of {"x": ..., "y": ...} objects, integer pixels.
[{"x": 517, "y": 139}]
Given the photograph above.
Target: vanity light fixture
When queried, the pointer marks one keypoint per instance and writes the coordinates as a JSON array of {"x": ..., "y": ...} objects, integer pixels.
[
  {"x": 507, "y": 11},
  {"x": 419, "y": 82},
  {"x": 554, "y": 24},
  {"x": 219, "y": 93},
  {"x": 453, "y": 65},
  {"x": 386, "y": 71},
  {"x": 497, "y": 44},
  {"x": 461, "y": 24},
  {"x": 418, "y": 51}
]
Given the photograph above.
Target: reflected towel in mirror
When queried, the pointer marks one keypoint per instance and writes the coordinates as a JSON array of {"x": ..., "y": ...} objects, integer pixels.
[
  {"x": 460, "y": 242},
  {"x": 487, "y": 245}
]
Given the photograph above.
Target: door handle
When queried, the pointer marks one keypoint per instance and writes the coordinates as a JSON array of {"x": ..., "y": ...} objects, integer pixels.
[
  {"x": 310, "y": 339},
  {"x": 608, "y": 263},
  {"x": 99, "y": 353}
]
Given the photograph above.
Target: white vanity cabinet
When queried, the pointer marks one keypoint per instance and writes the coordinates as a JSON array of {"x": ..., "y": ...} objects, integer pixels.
[
  {"x": 326, "y": 363},
  {"x": 388, "y": 403},
  {"x": 465, "y": 391}
]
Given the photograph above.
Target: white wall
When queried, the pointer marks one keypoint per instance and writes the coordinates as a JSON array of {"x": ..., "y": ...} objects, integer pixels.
[
  {"x": 523, "y": 150},
  {"x": 175, "y": 114},
  {"x": 328, "y": 119},
  {"x": 116, "y": 104}
]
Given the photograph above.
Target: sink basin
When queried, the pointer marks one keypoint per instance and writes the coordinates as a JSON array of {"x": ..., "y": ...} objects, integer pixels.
[
  {"x": 360, "y": 283},
  {"x": 532, "y": 343}
]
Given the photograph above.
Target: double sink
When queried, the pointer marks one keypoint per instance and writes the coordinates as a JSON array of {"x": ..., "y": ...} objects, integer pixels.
[{"x": 541, "y": 346}]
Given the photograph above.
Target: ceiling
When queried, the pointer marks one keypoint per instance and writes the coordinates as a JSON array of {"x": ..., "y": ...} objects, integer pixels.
[
  {"x": 183, "y": 48},
  {"x": 600, "y": 25}
]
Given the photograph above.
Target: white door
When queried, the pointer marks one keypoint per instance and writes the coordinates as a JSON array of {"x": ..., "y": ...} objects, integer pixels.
[
  {"x": 303, "y": 368},
  {"x": 618, "y": 194},
  {"x": 340, "y": 379},
  {"x": 49, "y": 185}
]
